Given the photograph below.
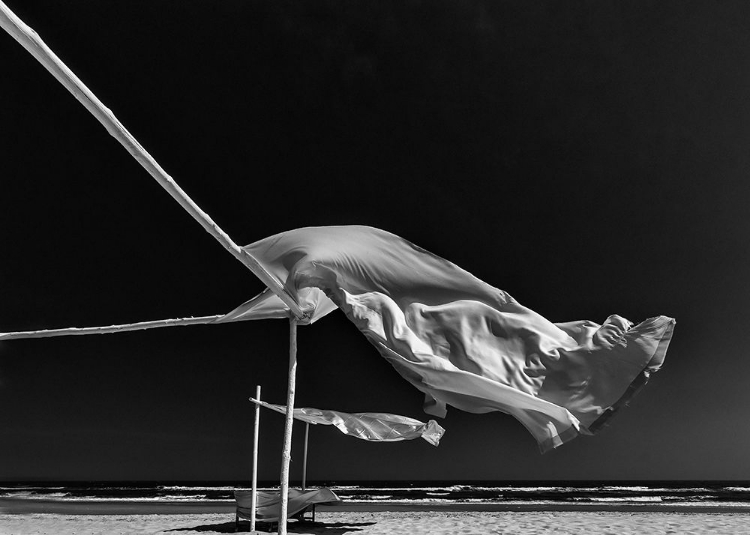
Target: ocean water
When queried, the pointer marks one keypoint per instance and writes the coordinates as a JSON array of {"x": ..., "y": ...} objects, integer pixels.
[{"x": 722, "y": 494}]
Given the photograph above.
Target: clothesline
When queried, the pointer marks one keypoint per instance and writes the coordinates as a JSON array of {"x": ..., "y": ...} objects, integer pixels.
[
  {"x": 265, "y": 305},
  {"x": 138, "y": 326}
]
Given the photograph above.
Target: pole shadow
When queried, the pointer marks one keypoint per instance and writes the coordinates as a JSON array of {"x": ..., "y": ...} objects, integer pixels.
[{"x": 307, "y": 528}]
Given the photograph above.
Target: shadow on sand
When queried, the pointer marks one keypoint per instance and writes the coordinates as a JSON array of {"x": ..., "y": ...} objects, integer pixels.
[{"x": 312, "y": 528}]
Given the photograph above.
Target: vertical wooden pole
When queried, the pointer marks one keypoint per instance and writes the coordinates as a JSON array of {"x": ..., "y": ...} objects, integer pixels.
[
  {"x": 304, "y": 458},
  {"x": 286, "y": 455},
  {"x": 256, "y": 427}
]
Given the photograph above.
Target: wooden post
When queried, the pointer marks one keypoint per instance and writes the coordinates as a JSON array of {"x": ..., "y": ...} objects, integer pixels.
[
  {"x": 304, "y": 457},
  {"x": 31, "y": 41},
  {"x": 286, "y": 455},
  {"x": 256, "y": 427}
]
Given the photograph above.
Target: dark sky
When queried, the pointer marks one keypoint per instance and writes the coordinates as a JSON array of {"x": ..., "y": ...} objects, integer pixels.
[{"x": 589, "y": 158}]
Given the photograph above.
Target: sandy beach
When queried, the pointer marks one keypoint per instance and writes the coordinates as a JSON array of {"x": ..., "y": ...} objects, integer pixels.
[
  {"x": 390, "y": 523},
  {"x": 387, "y": 521}
]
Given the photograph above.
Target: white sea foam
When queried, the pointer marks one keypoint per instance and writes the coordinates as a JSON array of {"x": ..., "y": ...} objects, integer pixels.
[
  {"x": 34, "y": 496},
  {"x": 66, "y": 498},
  {"x": 203, "y": 489},
  {"x": 427, "y": 494},
  {"x": 629, "y": 489},
  {"x": 737, "y": 489},
  {"x": 624, "y": 499}
]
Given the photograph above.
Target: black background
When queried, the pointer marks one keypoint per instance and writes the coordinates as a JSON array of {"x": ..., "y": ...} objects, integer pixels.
[{"x": 589, "y": 158}]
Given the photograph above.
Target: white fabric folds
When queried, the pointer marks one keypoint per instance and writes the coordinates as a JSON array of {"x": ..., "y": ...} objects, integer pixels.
[
  {"x": 269, "y": 502},
  {"x": 370, "y": 426},
  {"x": 459, "y": 340}
]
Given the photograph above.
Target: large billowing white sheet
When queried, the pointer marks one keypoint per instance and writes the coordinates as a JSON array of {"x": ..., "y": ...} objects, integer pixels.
[{"x": 459, "y": 340}]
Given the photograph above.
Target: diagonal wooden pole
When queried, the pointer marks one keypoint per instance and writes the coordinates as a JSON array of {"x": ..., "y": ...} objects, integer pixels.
[
  {"x": 286, "y": 455},
  {"x": 29, "y": 39}
]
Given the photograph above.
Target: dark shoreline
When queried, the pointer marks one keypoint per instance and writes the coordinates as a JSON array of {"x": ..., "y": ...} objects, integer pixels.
[{"x": 104, "y": 507}]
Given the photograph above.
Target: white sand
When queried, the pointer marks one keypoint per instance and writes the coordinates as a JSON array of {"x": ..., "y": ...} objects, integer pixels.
[{"x": 392, "y": 523}]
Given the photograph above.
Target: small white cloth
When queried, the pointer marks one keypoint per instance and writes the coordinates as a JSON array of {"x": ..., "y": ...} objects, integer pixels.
[
  {"x": 371, "y": 426},
  {"x": 269, "y": 502}
]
